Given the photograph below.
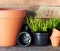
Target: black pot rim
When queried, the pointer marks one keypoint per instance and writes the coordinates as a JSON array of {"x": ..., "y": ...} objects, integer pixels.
[
  {"x": 20, "y": 43},
  {"x": 40, "y": 34}
]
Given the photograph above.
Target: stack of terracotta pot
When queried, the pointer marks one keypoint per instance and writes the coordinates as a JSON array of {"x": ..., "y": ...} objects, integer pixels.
[{"x": 55, "y": 37}]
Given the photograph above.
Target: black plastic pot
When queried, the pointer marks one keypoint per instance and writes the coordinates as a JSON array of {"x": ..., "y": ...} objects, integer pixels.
[
  {"x": 49, "y": 34},
  {"x": 23, "y": 39},
  {"x": 40, "y": 39},
  {"x": 25, "y": 28}
]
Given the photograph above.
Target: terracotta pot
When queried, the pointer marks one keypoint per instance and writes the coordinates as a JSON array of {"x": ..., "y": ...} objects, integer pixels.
[
  {"x": 55, "y": 33},
  {"x": 54, "y": 41},
  {"x": 10, "y": 23}
]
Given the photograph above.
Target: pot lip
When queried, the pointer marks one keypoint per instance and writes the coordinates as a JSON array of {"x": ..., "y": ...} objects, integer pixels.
[
  {"x": 55, "y": 29},
  {"x": 51, "y": 37},
  {"x": 12, "y": 9},
  {"x": 23, "y": 32},
  {"x": 20, "y": 43},
  {"x": 39, "y": 32}
]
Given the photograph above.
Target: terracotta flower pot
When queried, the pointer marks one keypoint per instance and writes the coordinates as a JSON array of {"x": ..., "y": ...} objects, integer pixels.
[
  {"x": 55, "y": 33},
  {"x": 54, "y": 41},
  {"x": 10, "y": 23},
  {"x": 55, "y": 37}
]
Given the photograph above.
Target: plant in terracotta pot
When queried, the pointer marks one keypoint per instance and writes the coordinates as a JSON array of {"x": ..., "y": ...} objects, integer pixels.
[
  {"x": 39, "y": 32},
  {"x": 55, "y": 32},
  {"x": 11, "y": 20}
]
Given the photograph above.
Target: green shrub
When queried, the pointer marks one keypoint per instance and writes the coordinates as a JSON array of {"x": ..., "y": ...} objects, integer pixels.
[
  {"x": 53, "y": 23},
  {"x": 37, "y": 25},
  {"x": 33, "y": 24},
  {"x": 40, "y": 25},
  {"x": 44, "y": 26}
]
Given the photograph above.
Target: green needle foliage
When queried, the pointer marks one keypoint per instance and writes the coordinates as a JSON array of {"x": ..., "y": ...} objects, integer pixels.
[
  {"x": 40, "y": 25},
  {"x": 37, "y": 25},
  {"x": 53, "y": 23}
]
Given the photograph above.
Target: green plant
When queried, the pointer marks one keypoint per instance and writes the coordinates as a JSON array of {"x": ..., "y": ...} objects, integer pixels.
[
  {"x": 53, "y": 23},
  {"x": 58, "y": 23},
  {"x": 33, "y": 24},
  {"x": 44, "y": 26},
  {"x": 41, "y": 25},
  {"x": 37, "y": 25},
  {"x": 50, "y": 23}
]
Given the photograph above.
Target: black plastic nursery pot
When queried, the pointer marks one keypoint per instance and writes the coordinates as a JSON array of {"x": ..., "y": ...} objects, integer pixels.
[
  {"x": 49, "y": 34},
  {"x": 40, "y": 39},
  {"x": 25, "y": 28},
  {"x": 23, "y": 39}
]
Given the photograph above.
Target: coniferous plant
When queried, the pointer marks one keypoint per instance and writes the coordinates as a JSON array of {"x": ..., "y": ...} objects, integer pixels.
[{"x": 37, "y": 25}]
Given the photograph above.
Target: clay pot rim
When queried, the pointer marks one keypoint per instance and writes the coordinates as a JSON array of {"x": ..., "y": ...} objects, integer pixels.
[
  {"x": 12, "y": 9},
  {"x": 56, "y": 29},
  {"x": 55, "y": 33},
  {"x": 53, "y": 37}
]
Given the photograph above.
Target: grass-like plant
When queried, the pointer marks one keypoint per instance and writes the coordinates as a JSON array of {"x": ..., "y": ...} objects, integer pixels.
[
  {"x": 43, "y": 26},
  {"x": 33, "y": 24},
  {"x": 40, "y": 25},
  {"x": 37, "y": 25},
  {"x": 53, "y": 23}
]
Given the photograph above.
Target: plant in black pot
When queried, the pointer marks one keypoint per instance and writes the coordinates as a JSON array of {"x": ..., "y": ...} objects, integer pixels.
[{"x": 39, "y": 32}]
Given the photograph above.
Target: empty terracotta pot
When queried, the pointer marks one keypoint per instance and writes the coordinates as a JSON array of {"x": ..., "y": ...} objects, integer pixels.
[
  {"x": 54, "y": 41},
  {"x": 55, "y": 33},
  {"x": 55, "y": 37},
  {"x": 11, "y": 20}
]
